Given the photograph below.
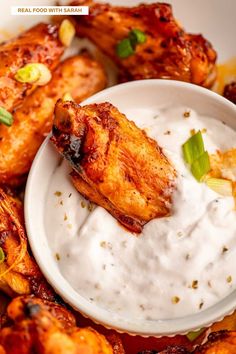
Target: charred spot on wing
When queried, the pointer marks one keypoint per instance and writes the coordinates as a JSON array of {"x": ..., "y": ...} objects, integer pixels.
[
  {"x": 148, "y": 352},
  {"x": 4, "y": 235},
  {"x": 132, "y": 224},
  {"x": 230, "y": 92},
  {"x": 168, "y": 350},
  {"x": 55, "y": 131},
  {"x": 215, "y": 336},
  {"x": 58, "y": 300},
  {"x": 69, "y": 146},
  {"x": 41, "y": 289},
  {"x": 175, "y": 350},
  {"x": 32, "y": 309},
  {"x": 72, "y": 151}
]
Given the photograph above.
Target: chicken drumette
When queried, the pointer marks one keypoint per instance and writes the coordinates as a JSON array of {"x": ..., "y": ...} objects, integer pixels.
[
  {"x": 80, "y": 76},
  {"x": 168, "y": 51},
  {"x": 19, "y": 273},
  {"x": 39, "y": 44},
  {"x": 117, "y": 165},
  {"x": 43, "y": 327}
]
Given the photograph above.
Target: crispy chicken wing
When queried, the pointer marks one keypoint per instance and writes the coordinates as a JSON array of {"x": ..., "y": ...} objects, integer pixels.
[
  {"x": 230, "y": 92},
  {"x": 41, "y": 327},
  {"x": 228, "y": 323},
  {"x": 117, "y": 166},
  {"x": 81, "y": 77},
  {"x": 39, "y": 44},
  {"x": 19, "y": 274},
  {"x": 168, "y": 53},
  {"x": 23, "y": 306},
  {"x": 222, "y": 342}
]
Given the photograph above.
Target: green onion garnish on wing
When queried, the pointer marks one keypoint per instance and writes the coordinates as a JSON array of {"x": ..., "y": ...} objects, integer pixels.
[
  {"x": 66, "y": 32},
  {"x": 137, "y": 36},
  {"x": 5, "y": 117},
  {"x": 124, "y": 48},
  {"x": 127, "y": 46},
  {"x": 28, "y": 74},
  {"x": 34, "y": 73},
  {"x": 193, "y": 148}
]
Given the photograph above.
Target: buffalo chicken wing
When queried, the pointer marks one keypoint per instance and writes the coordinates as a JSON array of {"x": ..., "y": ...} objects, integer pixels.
[
  {"x": 39, "y": 44},
  {"x": 81, "y": 77},
  {"x": 19, "y": 274},
  {"x": 117, "y": 166},
  {"x": 46, "y": 328},
  {"x": 230, "y": 92},
  {"x": 222, "y": 342},
  {"x": 168, "y": 52}
]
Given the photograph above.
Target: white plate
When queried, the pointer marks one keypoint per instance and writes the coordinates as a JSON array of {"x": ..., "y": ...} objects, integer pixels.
[{"x": 44, "y": 239}]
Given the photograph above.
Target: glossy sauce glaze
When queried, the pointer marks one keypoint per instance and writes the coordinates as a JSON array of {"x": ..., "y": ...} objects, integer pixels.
[{"x": 180, "y": 264}]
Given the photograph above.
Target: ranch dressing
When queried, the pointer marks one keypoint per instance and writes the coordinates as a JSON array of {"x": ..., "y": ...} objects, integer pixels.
[{"x": 180, "y": 264}]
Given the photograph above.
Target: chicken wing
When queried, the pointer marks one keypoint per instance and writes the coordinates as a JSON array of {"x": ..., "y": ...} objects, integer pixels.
[
  {"x": 81, "y": 77},
  {"x": 22, "y": 306},
  {"x": 45, "y": 328},
  {"x": 230, "y": 92},
  {"x": 19, "y": 274},
  {"x": 168, "y": 53},
  {"x": 117, "y": 166},
  {"x": 39, "y": 44},
  {"x": 222, "y": 342}
]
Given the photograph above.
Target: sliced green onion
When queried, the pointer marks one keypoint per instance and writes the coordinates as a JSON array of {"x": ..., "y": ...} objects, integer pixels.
[
  {"x": 67, "y": 97},
  {"x": 127, "y": 46},
  {"x": 28, "y": 74},
  {"x": 193, "y": 148},
  {"x": 124, "y": 48},
  {"x": 221, "y": 186},
  {"x": 2, "y": 255},
  {"x": 201, "y": 166},
  {"x": 45, "y": 74},
  {"x": 137, "y": 36},
  {"x": 66, "y": 32},
  {"x": 194, "y": 335},
  {"x": 5, "y": 117},
  {"x": 34, "y": 73}
]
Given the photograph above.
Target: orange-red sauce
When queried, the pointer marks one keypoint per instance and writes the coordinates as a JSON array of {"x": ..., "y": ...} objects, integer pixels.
[{"x": 226, "y": 74}]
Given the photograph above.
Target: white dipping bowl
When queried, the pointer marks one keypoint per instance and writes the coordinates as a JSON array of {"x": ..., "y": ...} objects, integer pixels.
[{"x": 142, "y": 95}]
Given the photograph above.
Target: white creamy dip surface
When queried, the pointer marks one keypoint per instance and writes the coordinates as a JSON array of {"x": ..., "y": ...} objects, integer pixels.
[{"x": 180, "y": 264}]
